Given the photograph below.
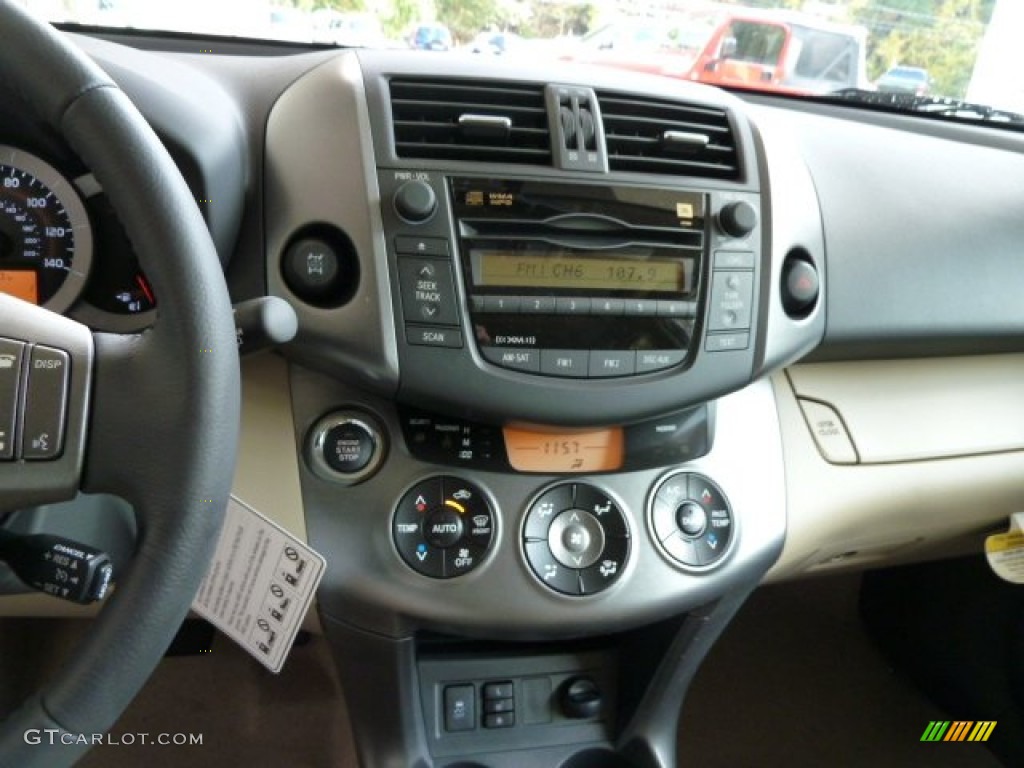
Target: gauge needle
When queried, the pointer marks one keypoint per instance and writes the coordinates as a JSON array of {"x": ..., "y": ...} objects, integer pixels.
[{"x": 141, "y": 281}]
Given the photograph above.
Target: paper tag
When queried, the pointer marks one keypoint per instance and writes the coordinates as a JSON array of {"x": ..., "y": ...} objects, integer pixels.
[
  {"x": 259, "y": 584},
  {"x": 1005, "y": 551}
]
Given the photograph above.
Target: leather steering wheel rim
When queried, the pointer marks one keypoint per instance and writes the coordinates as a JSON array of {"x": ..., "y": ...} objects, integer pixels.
[{"x": 164, "y": 417}]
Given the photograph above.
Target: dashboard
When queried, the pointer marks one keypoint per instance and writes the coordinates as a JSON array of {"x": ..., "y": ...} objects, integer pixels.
[{"x": 581, "y": 358}]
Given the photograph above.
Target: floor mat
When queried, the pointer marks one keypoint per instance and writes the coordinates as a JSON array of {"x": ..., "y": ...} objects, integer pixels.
[{"x": 796, "y": 682}]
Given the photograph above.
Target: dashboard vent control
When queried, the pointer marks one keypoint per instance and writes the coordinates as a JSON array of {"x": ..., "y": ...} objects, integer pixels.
[
  {"x": 674, "y": 138},
  {"x": 476, "y": 121},
  {"x": 578, "y": 138}
]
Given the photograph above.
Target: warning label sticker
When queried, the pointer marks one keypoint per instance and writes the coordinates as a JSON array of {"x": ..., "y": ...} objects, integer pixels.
[{"x": 260, "y": 584}]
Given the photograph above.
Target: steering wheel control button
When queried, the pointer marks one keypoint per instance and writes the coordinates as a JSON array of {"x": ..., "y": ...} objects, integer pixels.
[
  {"x": 345, "y": 447},
  {"x": 692, "y": 520},
  {"x": 576, "y": 539},
  {"x": 443, "y": 527},
  {"x": 12, "y": 355},
  {"x": 46, "y": 399},
  {"x": 428, "y": 291}
]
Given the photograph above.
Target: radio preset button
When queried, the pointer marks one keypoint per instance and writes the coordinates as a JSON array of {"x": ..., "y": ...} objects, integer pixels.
[
  {"x": 637, "y": 307},
  {"x": 502, "y": 304},
  {"x": 537, "y": 305},
  {"x": 610, "y": 364},
  {"x": 668, "y": 308},
  {"x": 517, "y": 358},
  {"x": 572, "y": 363},
  {"x": 573, "y": 305},
  {"x": 614, "y": 307}
]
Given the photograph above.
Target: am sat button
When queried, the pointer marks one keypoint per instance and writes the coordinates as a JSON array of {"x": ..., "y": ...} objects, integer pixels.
[{"x": 517, "y": 358}]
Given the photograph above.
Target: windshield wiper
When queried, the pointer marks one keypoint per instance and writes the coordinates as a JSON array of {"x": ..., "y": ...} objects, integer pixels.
[{"x": 929, "y": 105}]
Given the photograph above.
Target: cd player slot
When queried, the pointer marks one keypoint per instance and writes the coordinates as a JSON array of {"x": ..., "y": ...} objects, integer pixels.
[{"x": 602, "y": 234}]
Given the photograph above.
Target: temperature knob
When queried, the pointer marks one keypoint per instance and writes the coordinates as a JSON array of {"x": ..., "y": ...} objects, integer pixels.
[{"x": 415, "y": 201}]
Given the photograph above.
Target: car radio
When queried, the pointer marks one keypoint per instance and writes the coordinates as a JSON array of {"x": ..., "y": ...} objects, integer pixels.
[
  {"x": 515, "y": 286},
  {"x": 584, "y": 282}
]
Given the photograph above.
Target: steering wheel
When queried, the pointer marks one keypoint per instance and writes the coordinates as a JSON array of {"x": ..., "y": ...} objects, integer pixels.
[{"x": 151, "y": 417}]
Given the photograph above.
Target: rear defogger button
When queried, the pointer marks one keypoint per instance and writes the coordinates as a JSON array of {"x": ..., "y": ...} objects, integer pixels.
[{"x": 45, "y": 404}]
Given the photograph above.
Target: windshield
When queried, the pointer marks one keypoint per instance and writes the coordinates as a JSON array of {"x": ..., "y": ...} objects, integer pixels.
[{"x": 958, "y": 49}]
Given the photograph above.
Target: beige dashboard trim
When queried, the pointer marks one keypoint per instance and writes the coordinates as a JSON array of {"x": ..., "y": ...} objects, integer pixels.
[
  {"x": 872, "y": 514},
  {"x": 908, "y": 410}
]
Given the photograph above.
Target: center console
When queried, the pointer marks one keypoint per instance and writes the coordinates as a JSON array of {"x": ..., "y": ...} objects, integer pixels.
[{"x": 538, "y": 449}]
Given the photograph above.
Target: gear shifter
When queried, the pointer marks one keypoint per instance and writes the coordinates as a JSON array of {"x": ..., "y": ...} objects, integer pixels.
[{"x": 57, "y": 566}]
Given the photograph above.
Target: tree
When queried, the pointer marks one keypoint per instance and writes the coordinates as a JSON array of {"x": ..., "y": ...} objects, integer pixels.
[
  {"x": 941, "y": 36},
  {"x": 466, "y": 18}
]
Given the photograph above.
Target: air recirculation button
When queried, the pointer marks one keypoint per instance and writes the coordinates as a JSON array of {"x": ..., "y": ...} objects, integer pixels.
[{"x": 443, "y": 527}]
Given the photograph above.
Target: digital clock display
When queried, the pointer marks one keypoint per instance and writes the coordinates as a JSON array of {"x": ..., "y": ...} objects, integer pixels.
[
  {"x": 592, "y": 450},
  {"x": 589, "y": 271}
]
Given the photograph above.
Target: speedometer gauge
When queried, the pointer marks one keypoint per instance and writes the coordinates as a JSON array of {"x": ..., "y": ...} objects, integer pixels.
[{"x": 45, "y": 236}]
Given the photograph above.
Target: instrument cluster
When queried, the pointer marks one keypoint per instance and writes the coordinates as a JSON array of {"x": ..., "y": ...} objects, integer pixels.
[{"x": 62, "y": 247}]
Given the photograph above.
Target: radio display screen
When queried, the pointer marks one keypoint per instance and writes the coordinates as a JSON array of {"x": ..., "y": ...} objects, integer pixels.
[{"x": 581, "y": 270}]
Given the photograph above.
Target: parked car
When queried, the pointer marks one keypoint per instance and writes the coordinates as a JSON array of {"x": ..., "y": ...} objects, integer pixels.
[
  {"x": 430, "y": 37},
  {"x": 911, "y": 80},
  {"x": 364, "y": 407}
]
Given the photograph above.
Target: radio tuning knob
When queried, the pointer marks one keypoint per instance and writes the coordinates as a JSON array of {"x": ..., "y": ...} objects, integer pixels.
[
  {"x": 737, "y": 219},
  {"x": 415, "y": 201}
]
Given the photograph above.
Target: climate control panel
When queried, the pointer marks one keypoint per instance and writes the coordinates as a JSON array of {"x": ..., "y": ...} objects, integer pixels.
[{"x": 443, "y": 527}]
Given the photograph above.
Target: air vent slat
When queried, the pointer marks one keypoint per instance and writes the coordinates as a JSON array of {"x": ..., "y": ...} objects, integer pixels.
[
  {"x": 426, "y": 117},
  {"x": 636, "y": 132}
]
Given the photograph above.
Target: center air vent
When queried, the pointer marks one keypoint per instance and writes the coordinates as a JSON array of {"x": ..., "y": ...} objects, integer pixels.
[
  {"x": 470, "y": 120},
  {"x": 657, "y": 136}
]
